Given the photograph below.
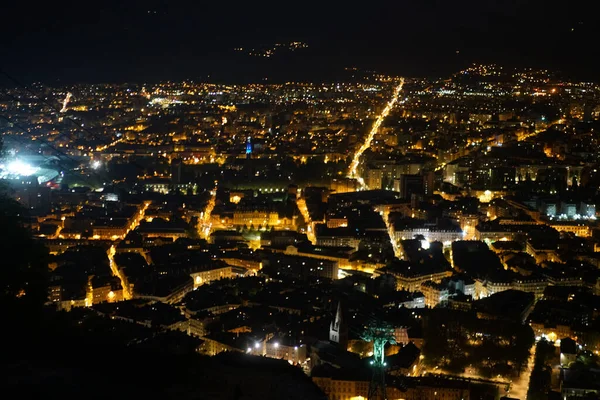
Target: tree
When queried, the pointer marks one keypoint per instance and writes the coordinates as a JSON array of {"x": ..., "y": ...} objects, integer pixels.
[
  {"x": 192, "y": 228},
  {"x": 539, "y": 382},
  {"x": 24, "y": 265},
  {"x": 23, "y": 276}
]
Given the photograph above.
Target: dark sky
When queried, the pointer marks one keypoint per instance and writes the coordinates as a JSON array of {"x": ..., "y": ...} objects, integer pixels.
[{"x": 151, "y": 40}]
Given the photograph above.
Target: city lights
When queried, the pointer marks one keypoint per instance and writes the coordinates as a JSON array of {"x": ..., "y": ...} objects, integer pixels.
[{"x": 368, "y": 219}]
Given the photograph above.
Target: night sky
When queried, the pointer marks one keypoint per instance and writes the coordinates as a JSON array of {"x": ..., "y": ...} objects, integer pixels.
[{"x": 118, "y": 41}]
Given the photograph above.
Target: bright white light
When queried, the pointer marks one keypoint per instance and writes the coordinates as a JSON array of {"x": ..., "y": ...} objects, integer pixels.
[
  {"x": 96, "y": 164},
  {"x": 424, "y": 244},
  {"x": 276, "y": 345},
  {"x": 256, "y": 345},
  {"x": 18, "y": 167}
]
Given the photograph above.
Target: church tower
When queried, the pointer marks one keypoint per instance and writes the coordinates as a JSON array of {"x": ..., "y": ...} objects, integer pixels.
[{"x": 338, "y": 329}]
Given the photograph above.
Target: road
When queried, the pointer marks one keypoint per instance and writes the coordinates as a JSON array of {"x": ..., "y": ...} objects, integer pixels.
[
  {"x": 310, "y": 234},
  {"x": 353, "y": 172},
  {"x": 127, "y": 295},
  {"x": 204, "y": 224},
  {"x": 540, "y": 130},
  {"x": 127, "y": 292},
  {"x": 517, "y": 389},
  {"x": 390, "y": 230}
]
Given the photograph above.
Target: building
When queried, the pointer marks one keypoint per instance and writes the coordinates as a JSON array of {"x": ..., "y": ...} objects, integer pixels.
[
  {"x": 407, "y": 185},
  {"x": 343, "y": 185},
  {"x": 221, "y": 342},
  {"x": 401, "y": 335},
  {"x": 30, "y": 193},
  {"x": 504, "y": 229},
  {"x": 551, "y": 331},
  {"x": 106, "y": 290},
  {"x": 568, "y": 352},
  {"x": 176, "y": 166},
  {"x": 334, "y": 221},
  {"x": 412, "y": 280},
  {"x": 578, "y": 228},
  {"x": 435, "y": 293},
  {"x": 531, "y": 284},
  {"x": 338, "y": 329},
  {"x": 284, "y": 349},
  {"x": 415, "y": 300},
  {"x": 110, "y": 229},
  {"x": 336, "y": 237},
  {"x": 345, "y": 384},
  {"x": 431, "y": 231},
  {"x": 215, "y": 272},
  {"x": 542, "y": 250},
  {"x": 255, "y": 217},
  {"x": 339, "y": 255},
  {"x": 580, "y": 383},
  {"x": 298, "y": 266},
  {"x": 164, "y": 288}
]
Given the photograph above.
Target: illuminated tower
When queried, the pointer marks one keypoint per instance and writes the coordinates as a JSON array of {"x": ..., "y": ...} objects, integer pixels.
[
  {"x": 380, "y": 334},
  {"x": 248, "y": 147},
  {"x": 338, "y": 329}
]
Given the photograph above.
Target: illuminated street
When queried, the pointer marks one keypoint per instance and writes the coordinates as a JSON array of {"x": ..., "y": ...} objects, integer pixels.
[
  {"x": 390, "y": 231},
  {"x": 310, "y": 234},
  {"x": 353, "y": 173},
  {"x": 118, "y": 272},
  {"x": 519, "y": 388},
  {"x": 127, "y": 295},
  {"x": 205, "y": 225}
]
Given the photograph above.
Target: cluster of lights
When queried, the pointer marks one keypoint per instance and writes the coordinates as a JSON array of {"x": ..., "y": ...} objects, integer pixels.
[
  {"x": 20, "y": 168},
  {"x": 575, "y": 217},
  {"x": 257, "y": 346},
  {"x": 269, "y": 189}
]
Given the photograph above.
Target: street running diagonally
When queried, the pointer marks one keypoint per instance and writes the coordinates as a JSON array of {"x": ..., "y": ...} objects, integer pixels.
[{"x": 353, "y": 173}]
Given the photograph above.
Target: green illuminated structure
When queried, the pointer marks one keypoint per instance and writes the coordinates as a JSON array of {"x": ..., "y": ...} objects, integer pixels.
[{"x": 380, "y": 334}]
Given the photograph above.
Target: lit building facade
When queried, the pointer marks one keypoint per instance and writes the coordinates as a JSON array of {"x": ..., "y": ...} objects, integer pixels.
[
  {"x": 294, "y": 354},
  {"x": 212, "y": 274}
]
